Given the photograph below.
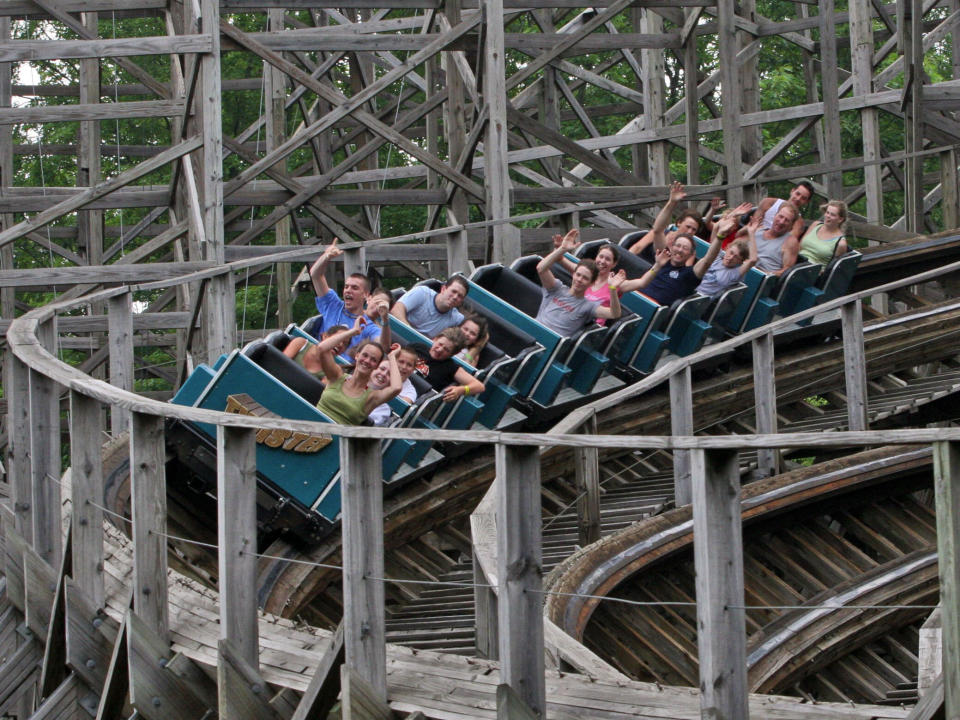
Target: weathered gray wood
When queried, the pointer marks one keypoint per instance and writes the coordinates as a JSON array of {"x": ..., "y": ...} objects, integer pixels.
[
  {"x": 830, "y": 94},
  {"x": 95, "y": 111},
  {"x": 930, "y": 652},
  {"x": 321, "y": 694},
  {"x": 241, "y": 693},
  {"x": 45, "y": 455},
  {"x": 120, "y": 340},
  {"x": 946, "y": 479},
  {"x": 18, "y": 449},
  {"x": 39, "y": 586},
  {"x": 90, "y": 637},
  {"x": 587, "y": 469},
  {"x": 854, "y": 364},
  {"x": 54, "y": 668},
  {"x": 505, "y": 245},
  {"x": 486, "y": 636},
  {"x": 363, "y": 593},
  {"x": 13, "y": 552},
  {"x": 519, "y": 570},
  {"x": 510, "y": 706},
  {"x": 61, "y": 703},
  {"x": 237, "y": 540},
  {"x": 730, "y": 81},
  {"x": 681, "y": 423},
  {"x": 148, "y": 499},
  {"x": 156, "y": 692},
  {"x": 86, "y": 491},
  {"x": 718, "y": 558},
  {"x": 359, "y": 700},
  {"x": 765, "y": 401},
  {"x": 114, "y": 694},
  {"x": 29, "y": 50}
]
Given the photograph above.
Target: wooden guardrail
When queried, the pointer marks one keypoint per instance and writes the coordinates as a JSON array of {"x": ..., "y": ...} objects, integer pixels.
[{"x": 507, "y": 551}]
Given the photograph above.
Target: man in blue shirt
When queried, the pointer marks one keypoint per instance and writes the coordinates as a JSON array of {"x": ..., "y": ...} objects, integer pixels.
[
  {"x": 337, "y": 311},
  {"x": 429, "y": 312}
]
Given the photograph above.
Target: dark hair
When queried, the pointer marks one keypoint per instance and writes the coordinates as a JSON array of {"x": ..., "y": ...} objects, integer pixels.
[
  {"x": 454, "y": 335},
  {"x": 364, "y": 278},
  {"x": 693, "y": 243},
  {"x": 333, "y": 330},
  {"x": 411, "y": 350},
  {"x": 614, "y": 250},
  {"x": 383, "y": 291},
  {"x": 460, "y": 280},
  {"x": 688, "y": 212},
  {"x": 481, "y": 322},
  {"x": 360, "y": 346},
  {"x": 806, "y": 184},
  {"x": 591, "y": 266}
]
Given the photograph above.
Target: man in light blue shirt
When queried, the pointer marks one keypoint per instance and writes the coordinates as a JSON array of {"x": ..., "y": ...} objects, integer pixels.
[
  {"x": 337, "y": 311},
  {"x": 430, "y": 312}
]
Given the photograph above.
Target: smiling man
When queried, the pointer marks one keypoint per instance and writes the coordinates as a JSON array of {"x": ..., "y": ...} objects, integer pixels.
[
  {"x": 430, "y": 312},
  {"x": 777, "y": 246},
  {"x": 564, "y": 309},
  {"x": 336, "y": 311}
]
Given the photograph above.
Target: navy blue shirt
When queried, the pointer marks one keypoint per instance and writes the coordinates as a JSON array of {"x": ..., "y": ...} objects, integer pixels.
[{"x": 672, "y": 283}]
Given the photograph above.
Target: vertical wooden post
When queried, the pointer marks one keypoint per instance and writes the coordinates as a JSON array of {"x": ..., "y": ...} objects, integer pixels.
[
  {"x": 946, "y": 482},
  {"x": 45, "y": 455},
  {"x": 854, "y": 365},
  {"x": 691, "y": 97},
  {"x": 831, "y": 97},
  {"x": 951, "y": 192},
  {"x": 506, "y": 242},
  {"x": 354, "y": 261},
  {"x": 519, "y": 573},
  {"x": 455, "y": 128},
  {"x": 653, "y": 71},
  {"x": 485, "y": 612},
  {"x": 120, "y": 341},
  {"x": 18, "y": 445},
  {"x": 861, "y": 45},
  {"x": 587, "y": 467},
  {"x": 148, "y": 500},
  {"x": 730, "y": 82},
  {"x": 86, "y": 492},
  {"x": 364, "y": 622},
  {"x": 275, "y": 91},
  {"x": 718, "y": 559},
  {"x": 237, "y": 539},
  {"x": 681, "y": 423},
  {"x": 765, "y": 401}
]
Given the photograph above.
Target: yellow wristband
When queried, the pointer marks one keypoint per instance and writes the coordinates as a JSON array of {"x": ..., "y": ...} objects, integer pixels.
[
  {"x": 466, "y": 389},
  {"x": 611, "y": 287}
]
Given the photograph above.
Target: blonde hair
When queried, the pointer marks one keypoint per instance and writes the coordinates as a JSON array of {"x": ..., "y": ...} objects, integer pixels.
[{"x": 841, "y": 207}]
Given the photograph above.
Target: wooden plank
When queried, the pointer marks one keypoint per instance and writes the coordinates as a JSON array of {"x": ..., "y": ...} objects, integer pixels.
[
  {"x": 54, "y": 669},
  {"x": 360, "y": 701},
  {"x": 45, "y": 454},
  {"x": 90, "y": 637},
  {"x": 321, "y": 694},
  {"x": 114, "y": 694},
  {"x": 587, "y": 470},
  {"x": 930, "y": 652},
  {"x": 120, "y": 342},
  {"x": 40, "y": 585},
  {"x": 13, "y": 548},
  {"x": 61, "y": 703},
  {"x": 18, "y": 448},
  {"x": 855, "y": 365},
  {"x": 510, "y": 706},
  {"x": 86, "y": 489},
  {"x": 17, "y": 672},
  {"x": 237, "y": 540},
  {"x": 681, "y": 423},
  {"x": 519, "y": 570},
  {"x": 155, "y": 692},
  {"x": 363, "y": 591},
  {"x": 148, "y": 499},
  {"x": 241, "y": 692},
  {"x": 718, "y": 559},
  {"x": 486, "y": 634},
  {"x": 765, "y": 401},
  {"x": 946, "y": 482},
  {"x": 93, "y": 111}
]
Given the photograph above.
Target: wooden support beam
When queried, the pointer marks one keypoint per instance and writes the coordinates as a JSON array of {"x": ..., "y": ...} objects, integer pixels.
[
  {"x": 681, "y": 423},
  {"x": 242, "y": 693},
  {"x": 855, "y": 365},
  {"x": 359, "y": 700},
  {"x": 321, "y": 694},
  {"x": 114, "y": 695},
  {"x": 946, "y": 484},
  {"x": 718, "y": 559},
  {"x": 510, "y": 706},
  {"x": 765, "y": 401},
  {"x": 586, "y": 464},
  {"x": 90, "y": 636},
  {"x": 237, "y": 540},
  {"x": 363, "y": 591},
  {"x": 18, "y": 447},
  {"x": 148, "y": 499},
  {"x": 39, "y": 586},
  {"x": 120, "y": 342},
  {"x": 486, "y": 634},
  {"x": 54, "y": 669},
  {"x": 519, "y": 572},
  {"x": 45, "y": 454}
]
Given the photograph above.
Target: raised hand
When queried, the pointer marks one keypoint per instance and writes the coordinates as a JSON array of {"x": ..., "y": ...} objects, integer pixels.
[
  {"x": 333, "y": 251},
  {"x": 571, "y": 240},
  {"x": 677, "y": 193},
  {"x": 663, "y": 256},
  {"x": 616, "y": 279}
]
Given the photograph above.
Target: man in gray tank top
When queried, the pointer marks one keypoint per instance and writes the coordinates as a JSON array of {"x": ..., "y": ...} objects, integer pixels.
[{"x": 777, "y": 247}]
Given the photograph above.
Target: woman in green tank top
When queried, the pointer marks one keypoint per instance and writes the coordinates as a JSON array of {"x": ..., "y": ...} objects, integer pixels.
[
  {"x": 825, "y": 239},
  {"x": 347, "y": 399}
]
